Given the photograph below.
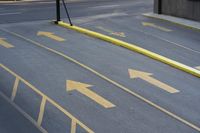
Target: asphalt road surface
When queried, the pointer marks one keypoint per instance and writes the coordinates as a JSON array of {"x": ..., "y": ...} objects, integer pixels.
[{"x": 56, "y": 80}]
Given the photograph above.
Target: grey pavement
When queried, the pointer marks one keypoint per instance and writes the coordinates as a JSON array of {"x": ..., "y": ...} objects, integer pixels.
[
  {"x": 180, "y": 44},
  {"x": 46, "y": 64},
  {"x": 11, "y": 120},
  {"x": 49, "y": 72}
]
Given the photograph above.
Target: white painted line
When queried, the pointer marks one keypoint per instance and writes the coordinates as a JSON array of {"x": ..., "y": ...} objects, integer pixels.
[
  {"x": 11, "y": 13},
  {"x": 104, "y": 6},
  {"x": 96, "y": 17},
  {"x": 166, "y": 40}
]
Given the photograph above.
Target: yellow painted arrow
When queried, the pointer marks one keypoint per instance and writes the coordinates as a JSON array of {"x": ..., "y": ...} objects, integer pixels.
[
  {"x": 198, "y": 67},
  {"x": 156, "y": 26},
  {"x": 5, "y": 44},
  {"x": 83, "y": 88},
  {"x": 147, "y": 77},
  {"x": 50, "y": 35}
]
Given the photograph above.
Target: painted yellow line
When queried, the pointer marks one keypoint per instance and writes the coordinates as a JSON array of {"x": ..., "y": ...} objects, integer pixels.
[
  {"x": 134, "y": 48},
  {"x": 14, "y": 92},
  {"x": 5, "y": 44},
  {"x": 27, "y": 116},
  {"x": 41, "y": 113},
  {"x": 147, "y": 77},
  {"x": 83, "y": 89},
  {"x": 50, "y": 35},
  {"x": 73, "y": 126},
  {"x": 43, "y": 102},
  {"x": 156, "y": 26},
  {"x": 108, "y": 80}
]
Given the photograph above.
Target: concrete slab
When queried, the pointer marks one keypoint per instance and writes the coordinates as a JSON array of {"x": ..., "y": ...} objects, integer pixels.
[{"x": 176, "y": 20}]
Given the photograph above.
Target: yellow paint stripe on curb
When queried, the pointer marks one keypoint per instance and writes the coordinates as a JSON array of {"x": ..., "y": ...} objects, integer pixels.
[{"x": 134, "y": 48}]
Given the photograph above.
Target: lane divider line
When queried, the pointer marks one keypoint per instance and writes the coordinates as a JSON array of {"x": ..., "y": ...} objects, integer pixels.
[
  {"x": 178, "y": 118},
  {"x": 134, "y": 48}
]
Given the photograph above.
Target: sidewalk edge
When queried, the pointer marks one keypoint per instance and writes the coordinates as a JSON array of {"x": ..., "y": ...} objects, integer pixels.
[{"x": 173, "y": 20}]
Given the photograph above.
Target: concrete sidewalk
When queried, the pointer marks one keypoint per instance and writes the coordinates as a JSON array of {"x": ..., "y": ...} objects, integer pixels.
[{"x": 176, "y": 20}]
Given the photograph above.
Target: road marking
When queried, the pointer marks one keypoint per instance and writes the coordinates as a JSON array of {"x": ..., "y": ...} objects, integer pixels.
[
  {"x": 42, "y": 106},
  {"x": 146, "y": 76},
  {"x": 5, "y": 44},
  {"x": 73, "y": 126},
  {"x": 27, "y": 116},
  {"x": 184, "y": 121},
  {"x": 179, "y": 45},
  {"x": 50, "y": 35},
  {"x": 156, "y": 26},
  {"x": 166, "y": 40},
  {"x": 83, "y": 89},
  {"x": 119, "y": 34},
  {"x": 198, "y": 67},
  {"x": 11, "y": 13},
  {"x": 41, "y": 113},
  {"x": 105, "y": 6},
  {"x": 14, "y": 92},
  {"x": 96, "y": 17}
]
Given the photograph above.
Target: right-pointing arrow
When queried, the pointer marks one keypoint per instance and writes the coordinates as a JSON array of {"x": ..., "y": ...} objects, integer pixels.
[
  {"x": 83, "y": 89},
  {"x": 147, "y": 77}
]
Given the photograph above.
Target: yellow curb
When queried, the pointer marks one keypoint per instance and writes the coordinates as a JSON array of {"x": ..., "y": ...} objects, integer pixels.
[{"x": 134, "y": 48}]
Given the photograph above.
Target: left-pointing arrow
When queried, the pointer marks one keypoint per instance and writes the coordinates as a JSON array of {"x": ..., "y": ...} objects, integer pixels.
[
  {"x": 147, "y": 77},
  {"x": 83, "y": 89},
  {"x": 50, "y": 35},
  {"x": 5, "y": 44}
]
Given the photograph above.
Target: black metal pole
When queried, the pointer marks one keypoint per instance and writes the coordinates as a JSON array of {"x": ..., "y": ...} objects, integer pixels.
[
  {"x": 57, "y": 11},
  {"x": 66, "y": 10},
  {"x": 159, "y": 6}
]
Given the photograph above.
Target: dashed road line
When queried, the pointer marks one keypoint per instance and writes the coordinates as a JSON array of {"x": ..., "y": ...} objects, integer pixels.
[{"x": 173, "y": 115}]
